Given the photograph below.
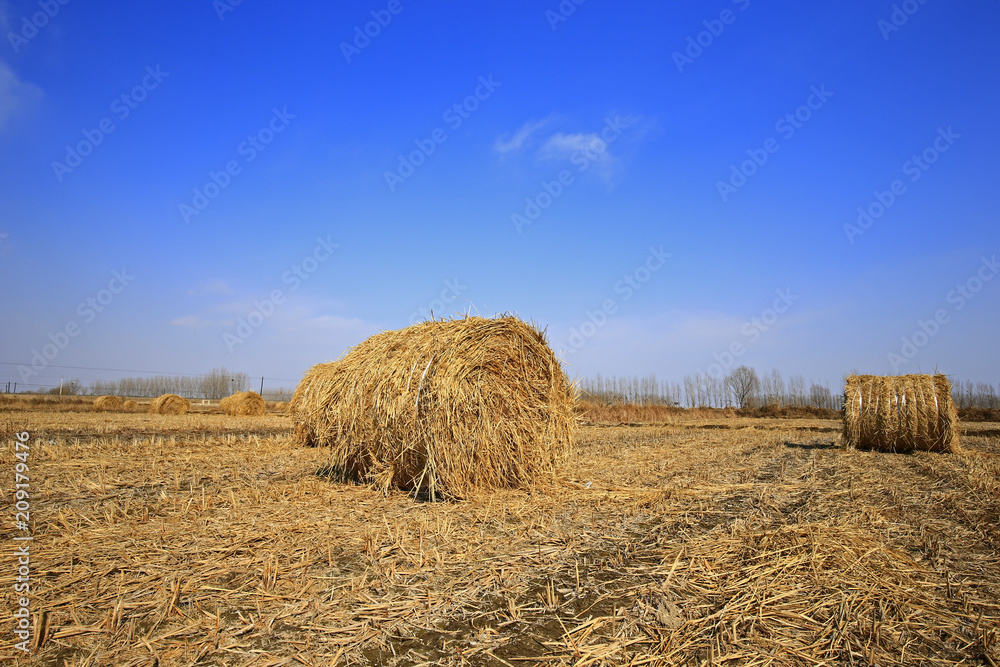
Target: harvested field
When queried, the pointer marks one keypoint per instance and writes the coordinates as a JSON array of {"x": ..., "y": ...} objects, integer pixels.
[{"x": 726, "y": 542}]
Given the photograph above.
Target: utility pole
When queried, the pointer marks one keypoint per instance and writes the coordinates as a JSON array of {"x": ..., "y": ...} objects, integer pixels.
[
  {"x": 60, "y": 385},
  {"x": 261, "y": 385}
]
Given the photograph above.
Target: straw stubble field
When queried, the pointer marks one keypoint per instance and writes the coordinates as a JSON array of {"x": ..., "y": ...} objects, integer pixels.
[{"x": 206, "y": 539}]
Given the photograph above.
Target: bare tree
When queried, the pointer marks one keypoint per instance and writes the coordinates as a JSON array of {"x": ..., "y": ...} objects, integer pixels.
[
  {"x": 820, "y": 396},
  {"x": 797, "y": 389},
  {"x": 778, "y": 387},
  {"x": 744, "y": 384}
]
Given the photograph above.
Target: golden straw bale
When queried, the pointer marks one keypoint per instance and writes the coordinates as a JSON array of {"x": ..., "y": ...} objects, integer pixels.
[
  {"x": 244, "y": 404},
  {"x": 442, "y": 407},
  {"x": 130, "y": 405},
  {"x": 169, "y": 404},
  {"x": 107, "y": 403},
  {"x": 900, "y": 413}
]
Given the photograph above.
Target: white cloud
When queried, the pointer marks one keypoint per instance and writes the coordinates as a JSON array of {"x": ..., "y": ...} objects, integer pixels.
[
  {"x": 582, "y": 148},
  {"x": 15, "y": 95},
  {"x": 520, "y": 137},
  {"x": 562, "y": 146}
]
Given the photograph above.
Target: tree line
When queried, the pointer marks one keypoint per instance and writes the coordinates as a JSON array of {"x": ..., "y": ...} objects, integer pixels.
[
  {"x": 744, "y": 387},
  {"x": 217, "y": 383}
]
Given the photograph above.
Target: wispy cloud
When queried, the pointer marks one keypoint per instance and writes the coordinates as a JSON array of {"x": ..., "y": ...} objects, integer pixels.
[
  {"x": 522, "y": 136},
  {"x": 599, "y": 153},
  {"x": 15, "y": 95},
  {"x": 579, "y": 149}
]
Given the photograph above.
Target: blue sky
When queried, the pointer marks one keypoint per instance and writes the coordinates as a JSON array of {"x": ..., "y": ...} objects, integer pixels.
[{"x": 657, "y": 185}]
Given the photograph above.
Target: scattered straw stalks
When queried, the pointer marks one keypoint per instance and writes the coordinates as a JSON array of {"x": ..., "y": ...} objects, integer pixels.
[
  {"x": 693, "y": 545},
  {"x": 170, "y": 404},
  {"x": 442, "y": 407},
  {"x": 244, "y": 404},
  {"x": 902, "y": 413}
]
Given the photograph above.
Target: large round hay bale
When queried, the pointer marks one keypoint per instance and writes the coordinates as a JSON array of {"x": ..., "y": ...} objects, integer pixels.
[
  {"x": 442, "y": 407},
  {"x": 318, "y": 386},
  {"x": 107, "y": 403},
  {"x": 130, "y": 405},
  {"x": 244, "y": 404},
  {"x": 169, "y": 404},
  {"x": 900, "y": 413}
]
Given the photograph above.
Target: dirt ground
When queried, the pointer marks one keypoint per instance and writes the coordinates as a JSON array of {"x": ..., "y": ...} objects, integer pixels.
[{"x": 213, "y": 540}]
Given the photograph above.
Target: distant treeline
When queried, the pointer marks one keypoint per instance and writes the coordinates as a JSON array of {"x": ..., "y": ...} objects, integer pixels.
[
  {"x": 217, "y": 383},
  {"x": 745, "y": 388}
]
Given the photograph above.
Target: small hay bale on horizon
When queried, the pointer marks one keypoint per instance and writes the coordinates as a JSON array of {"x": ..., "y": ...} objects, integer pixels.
[
  {"x": 107, "y": 404},
  {"x": 244, "y": 404},
  {"x": 443, "y": 408},
  {"x": 130, "y": 405},
  {"x": 169, "y": 404},
  {"x": 901, "y": 413}
]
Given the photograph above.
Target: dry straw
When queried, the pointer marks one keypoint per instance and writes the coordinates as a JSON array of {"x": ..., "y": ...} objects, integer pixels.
[
  {"x": 169, "y": 404},
  {"x": 244, "y": 404},
  {"x": 108, "y": 403},
  {"x": 442, "y": 407},
  {"x": 900, "y": 413}
]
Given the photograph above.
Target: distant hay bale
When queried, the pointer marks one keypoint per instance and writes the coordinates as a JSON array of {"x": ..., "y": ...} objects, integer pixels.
[
  {"x": 244, "y": 404},
  {"x": 108, "y": 403},
  {"x": 169, "y": 404},
  {"x": 900, "y": 413},
  {"x": 130, "y": 405},
  {"x": 442, "y": 407}
]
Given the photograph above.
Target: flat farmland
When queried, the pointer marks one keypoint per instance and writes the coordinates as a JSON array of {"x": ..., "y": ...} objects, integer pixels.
[{"x": 213, "y": 540}]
